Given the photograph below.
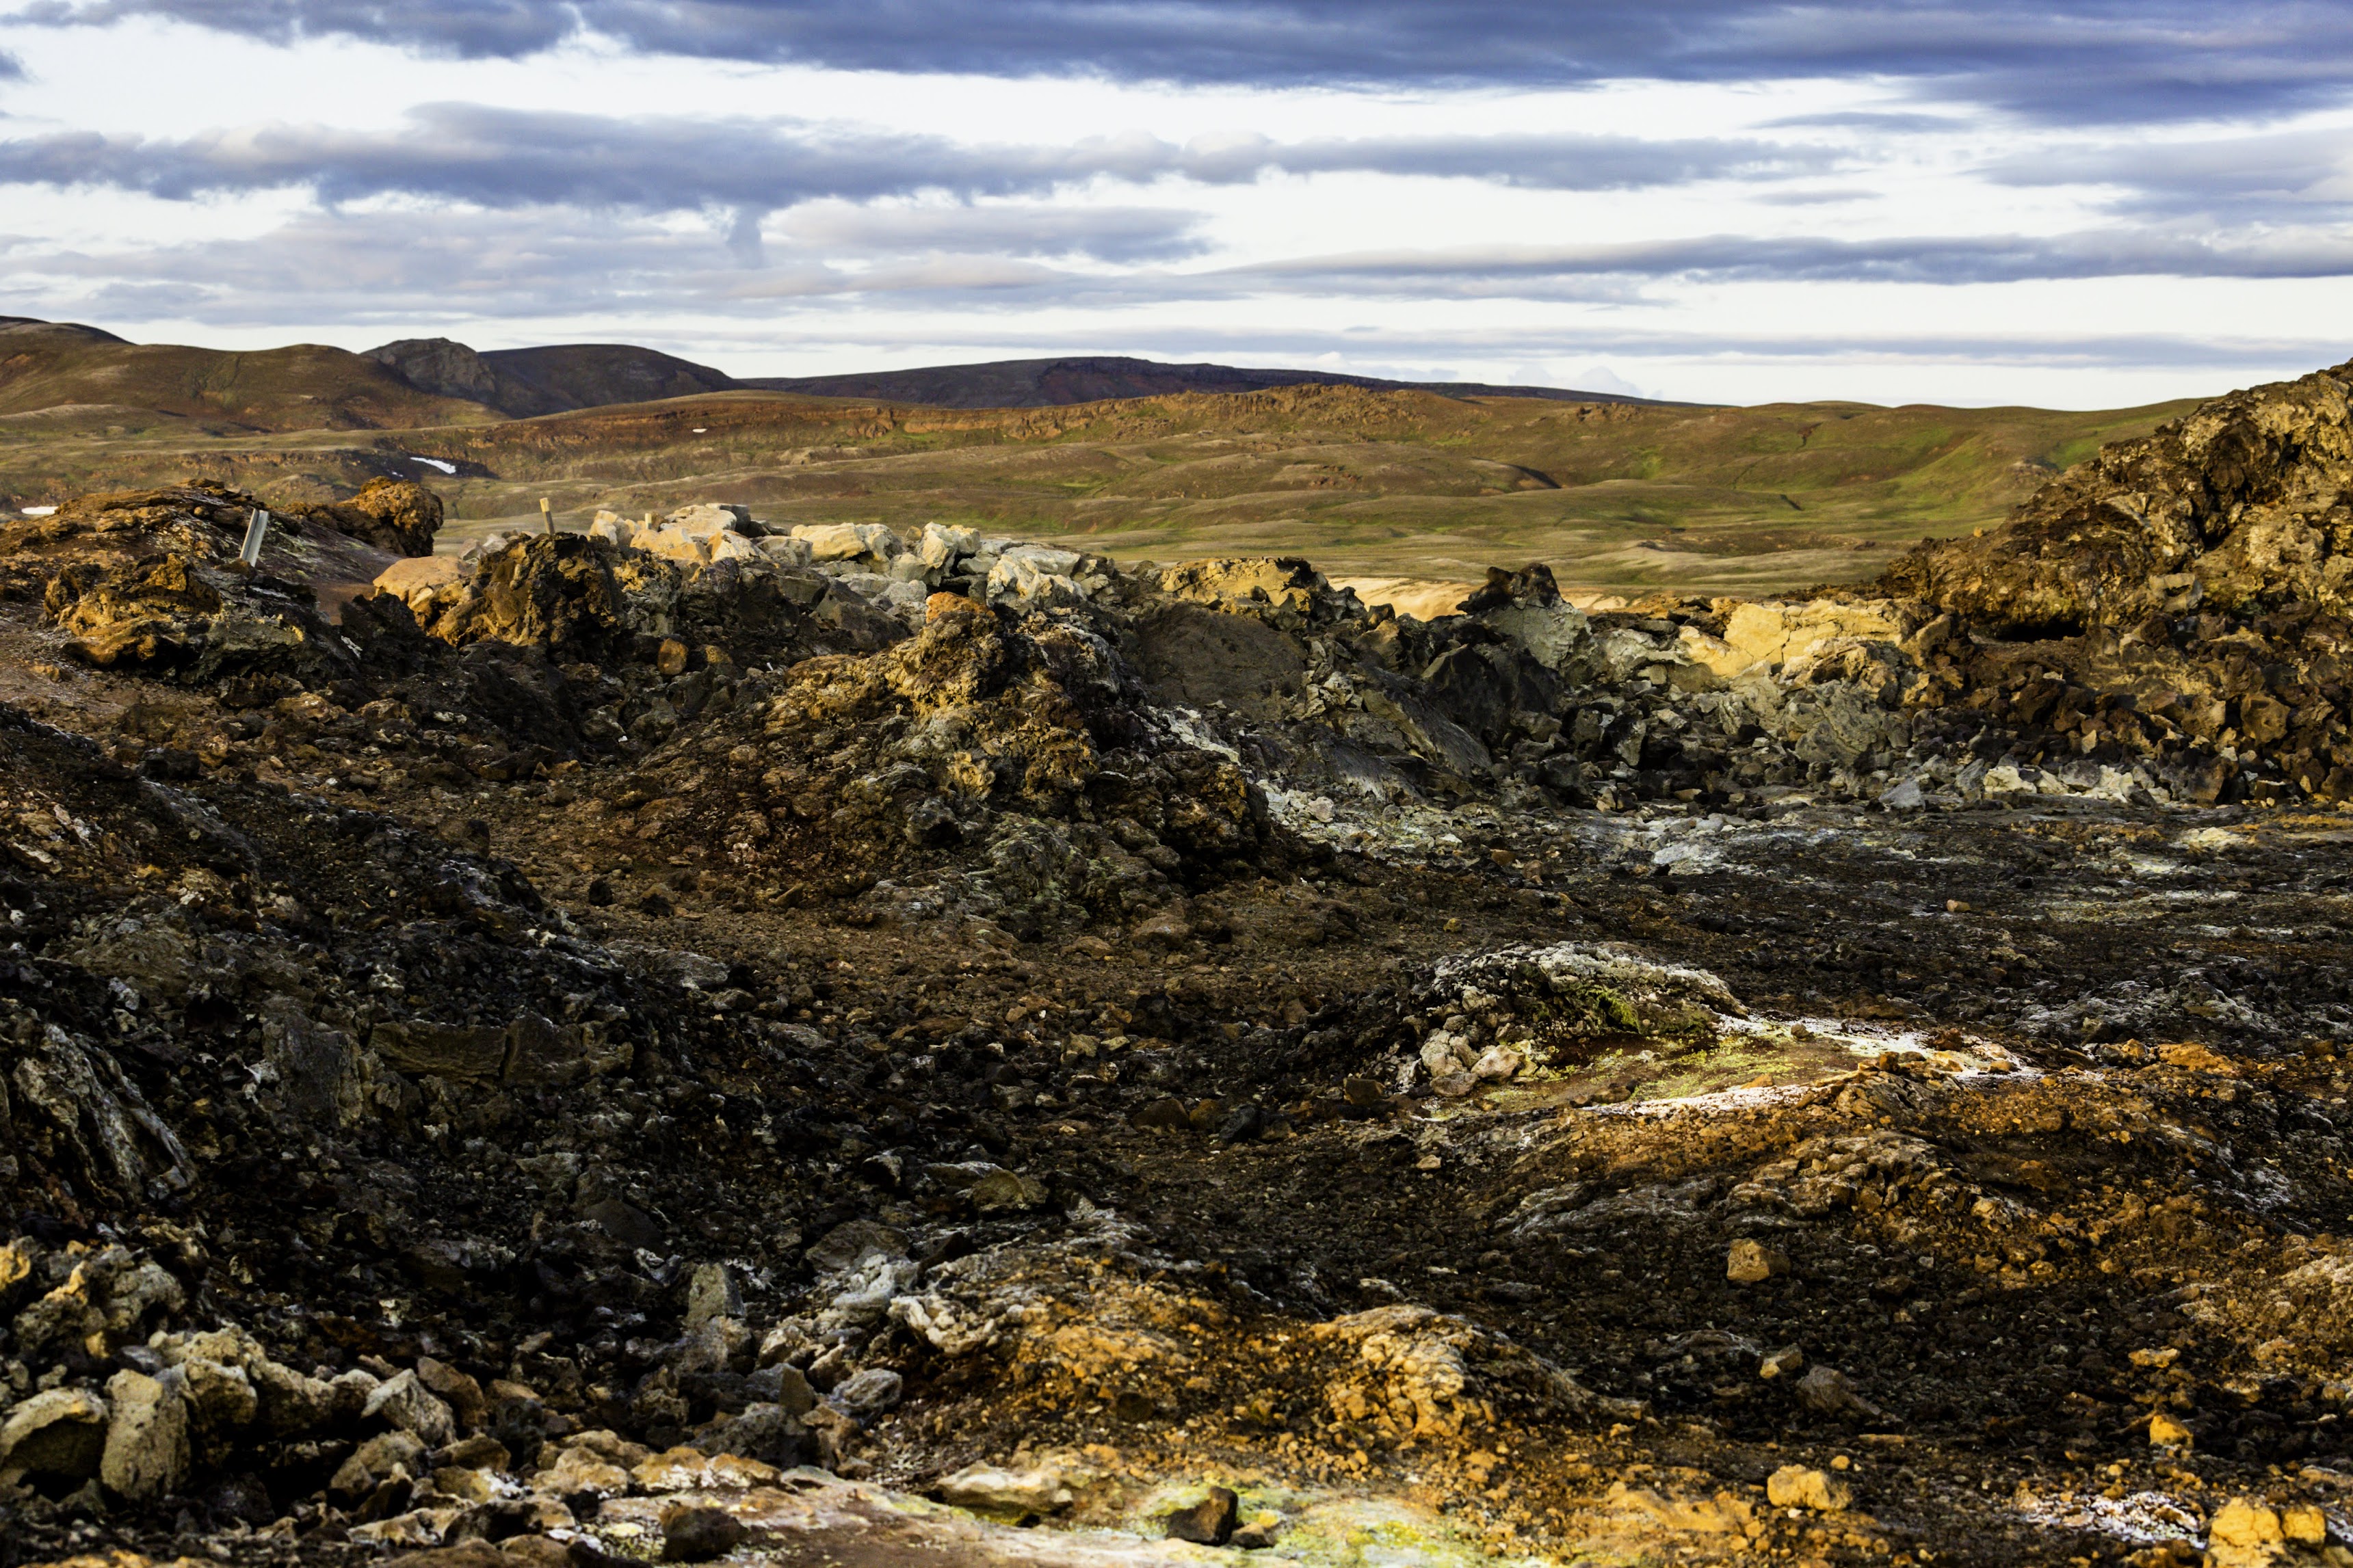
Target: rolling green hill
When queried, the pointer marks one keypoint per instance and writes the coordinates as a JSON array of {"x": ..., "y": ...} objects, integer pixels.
[{"x": 1617, "y": 497}]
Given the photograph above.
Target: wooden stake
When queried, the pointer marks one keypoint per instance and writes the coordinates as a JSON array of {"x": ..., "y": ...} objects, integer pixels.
[{"x": 547, "y": 514}]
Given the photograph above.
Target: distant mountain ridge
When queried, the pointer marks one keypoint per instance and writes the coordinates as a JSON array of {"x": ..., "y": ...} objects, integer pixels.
[
  {"x": 526, "y": 382},
  {"x": 1047, "y": 383},
  {"x": 65, "y": 374}
]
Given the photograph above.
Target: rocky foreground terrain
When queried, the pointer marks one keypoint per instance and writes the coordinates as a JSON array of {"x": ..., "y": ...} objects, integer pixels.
[{"x": 839, "y": 1045}]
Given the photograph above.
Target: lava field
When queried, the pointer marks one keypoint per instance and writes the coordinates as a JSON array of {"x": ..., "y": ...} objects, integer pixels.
[{"x": 690, "y": 1041}]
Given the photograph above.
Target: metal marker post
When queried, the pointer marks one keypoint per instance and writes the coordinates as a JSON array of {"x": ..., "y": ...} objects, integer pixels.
[
  {"x": 547, "y": 514},
  {"x": 254, "y": 532}
]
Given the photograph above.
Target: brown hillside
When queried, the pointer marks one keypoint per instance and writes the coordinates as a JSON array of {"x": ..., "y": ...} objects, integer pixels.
[{"x": 53, "y": 377}]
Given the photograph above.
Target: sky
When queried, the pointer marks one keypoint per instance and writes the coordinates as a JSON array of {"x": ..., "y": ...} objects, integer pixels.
[{"x": 2068, "y": 203}]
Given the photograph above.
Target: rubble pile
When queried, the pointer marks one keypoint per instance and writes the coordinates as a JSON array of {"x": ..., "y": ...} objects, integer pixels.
[
  {"x": 694, "y": 1038},
  {"x": 2175, "y": 602}
]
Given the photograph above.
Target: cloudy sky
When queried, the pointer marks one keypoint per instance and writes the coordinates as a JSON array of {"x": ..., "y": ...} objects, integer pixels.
[{"x": 2073, "y": 203}]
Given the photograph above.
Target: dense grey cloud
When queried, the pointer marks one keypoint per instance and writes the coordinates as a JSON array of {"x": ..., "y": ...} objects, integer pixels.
[
  {"x": 382, "y": 267},
  {"x": 498, "y": 157},
  {"x": 390, "y": 266},
  {"x": 2063, "y": 60},
  {"x": 1524, "y": 271},
  {"x": 1410, "y": 347},
  {"x": 2306, "y": 174}
]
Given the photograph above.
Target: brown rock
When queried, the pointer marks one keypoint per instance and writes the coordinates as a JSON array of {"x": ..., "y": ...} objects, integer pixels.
[
  {"x": 1796, "y": 1486},
  {"x": 694, "y": 1533},
  {"x": 556, "y": 591},
  {"x": 1750, "y": 1262},
  {"x": 475, "y": 1052},
  {"x": 1209, "y": 1522},
  {"x": 147, "y": 1450},
  {"x": 398, "y": 515},
  {"x": 57, "y": 1433},
  {"x": 459, "y": 1391}
]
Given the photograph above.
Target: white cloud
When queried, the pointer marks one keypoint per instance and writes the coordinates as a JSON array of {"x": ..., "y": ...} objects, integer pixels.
[{"x": 1808, "y": 229}]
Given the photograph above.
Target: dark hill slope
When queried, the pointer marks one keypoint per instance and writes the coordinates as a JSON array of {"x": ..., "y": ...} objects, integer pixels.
[
  {"x": 1049, "y": 383},
  {"x": 527, "y": 383}
]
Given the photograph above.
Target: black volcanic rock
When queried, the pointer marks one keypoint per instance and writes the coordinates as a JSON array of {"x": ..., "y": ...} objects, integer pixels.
[{"x": 2238, "y": 506}]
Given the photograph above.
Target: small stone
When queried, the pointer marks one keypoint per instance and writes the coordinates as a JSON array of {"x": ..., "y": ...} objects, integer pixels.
[
  {"x": 1259, "y": 1534},
  {"x": 1797, "y": 1485},
  {"x": 694, "y": 1533},
  {"x": 1787, "y": 1361},
  {"x": 405, "y": 1403},
  {"x": 1364, "y": 1093},
  {"x": 2305, "y": 1524},
  {"x": 147, "y": 1452},
  {"x": 1169, "y": 1114},
  {"x": 989, "y": 1488},
  {"x": 368, "y": 1465},
  {"x": 1496, "y": 1064},
  {"x": 868, "y": 1394},
  {"x": 712, "y": 1293},
  {"x": 1905, "y": 796},
  {"x": 2244, "y": 1522},
  {"x": 670, "y": 657},
  {"x": 1826, "y": 1391},
  {"x": 2165, "y": 1432},
  {"x": 1246, "y": 1123},
  {"x": 459, "y": 1390},
  {"x": 1747, "y": 1262},
  {"x": 1209, "y": 1522},
  {"x": 58, "y": 1433},
  {"x": 480, "y": 1452}
]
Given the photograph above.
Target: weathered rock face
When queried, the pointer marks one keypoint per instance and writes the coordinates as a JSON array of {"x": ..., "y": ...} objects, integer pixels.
[
  {"x": 2241, "y": 505},
  {"x": 151, "y": 581},
  {"x": 396, "y": 515},
  {"x": 551, "y": 591},
  {"x": 2175, "y": 608}
]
